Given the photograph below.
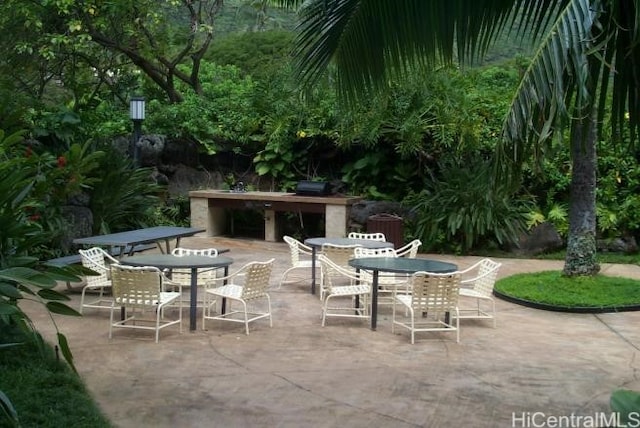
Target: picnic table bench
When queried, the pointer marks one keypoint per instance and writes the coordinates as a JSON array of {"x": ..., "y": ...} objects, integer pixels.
[{"x": 73, "y": 259}]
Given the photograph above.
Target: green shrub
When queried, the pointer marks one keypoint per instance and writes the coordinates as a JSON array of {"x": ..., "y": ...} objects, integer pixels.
[
  {"x": 22, "y": 277},
  {"x": 255, "y": 53},
  {"x": 219, "y": 118},
  {"x": 462, "y": 209},
  {"x": 123, "y": 197}
]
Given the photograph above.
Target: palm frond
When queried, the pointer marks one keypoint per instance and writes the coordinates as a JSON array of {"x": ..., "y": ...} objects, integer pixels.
[
  {"x": 559, "y": 71},
  {"x": 375, "y": 41},
  {"x": 589, "y": 61},
  {"x": 623, "y": 53}
]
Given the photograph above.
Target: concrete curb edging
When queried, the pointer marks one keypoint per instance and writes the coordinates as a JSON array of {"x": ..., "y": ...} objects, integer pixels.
[{"x": 570, "y": 309}]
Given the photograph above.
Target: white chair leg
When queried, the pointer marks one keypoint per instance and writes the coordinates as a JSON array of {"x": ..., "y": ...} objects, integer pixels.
[
  {"x": 246, "y": 318},
  {"x": 269, "y": 309},
  {"x": 324, "y": 310},
  {"x": 393, "y": 317},
  {"x": 158, "y": 315},
  {"x": 493, "y": 312},
  {"x": 111, "y": 323}
]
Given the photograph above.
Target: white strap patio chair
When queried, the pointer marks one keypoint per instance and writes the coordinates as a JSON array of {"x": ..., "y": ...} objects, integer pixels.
[
  {"x": 99, "y": 261},
  {"x": 432, "y": 304},
  {"x": 341, "y": 282},
  {"x": 300, "y": 261},
  {"x": 248, "y": 286},
  {"x": 140, "y": 290},
  {"x": 182, "y": 277},
  {"x": 388, "y": 283},
  {"x": 338, "y": 254},
  {"x": 477, "y": 283}
]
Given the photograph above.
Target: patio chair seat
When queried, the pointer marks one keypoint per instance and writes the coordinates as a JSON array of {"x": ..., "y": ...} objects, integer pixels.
[
  {"x": 232, "y": 291},
  {"x": 349, "y": 290}
]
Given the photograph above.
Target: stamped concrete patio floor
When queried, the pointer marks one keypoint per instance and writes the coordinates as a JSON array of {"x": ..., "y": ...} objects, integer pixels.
[{"x": 299, "y": 374}]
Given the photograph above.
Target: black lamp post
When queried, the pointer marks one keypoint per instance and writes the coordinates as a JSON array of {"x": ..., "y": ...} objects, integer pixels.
[{"x": 136, "y": 113}]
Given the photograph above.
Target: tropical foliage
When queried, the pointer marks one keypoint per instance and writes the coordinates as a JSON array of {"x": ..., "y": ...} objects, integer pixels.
[
  {"x": 23, "y": 277},
  {"x": 586, "y": 66},
  {"x": 122, "y": 197},
  {"x": 399, "y": 139}
]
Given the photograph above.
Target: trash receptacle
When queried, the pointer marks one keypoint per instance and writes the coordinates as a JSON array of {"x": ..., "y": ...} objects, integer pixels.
[{"x": 391, "y": 225}]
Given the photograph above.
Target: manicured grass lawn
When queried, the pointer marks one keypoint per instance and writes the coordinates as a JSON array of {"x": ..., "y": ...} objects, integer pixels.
[
  {"x": 45, "y": 392},
  {"x": 551, "y": 288},
  {"x": 629, "y": 259}
]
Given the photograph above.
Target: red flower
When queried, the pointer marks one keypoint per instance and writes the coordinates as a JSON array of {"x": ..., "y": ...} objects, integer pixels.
[
  {"x": 62, "y": 162},
  {"x": 34, "y": 217},
  {"x": 28, "y": 152}
]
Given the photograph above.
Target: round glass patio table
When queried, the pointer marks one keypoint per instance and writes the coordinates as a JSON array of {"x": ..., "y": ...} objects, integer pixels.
[
  {"x": 168, "y": 261},
  {"x": 316, "y": 243},
  {"x": 396, "y": 265}
]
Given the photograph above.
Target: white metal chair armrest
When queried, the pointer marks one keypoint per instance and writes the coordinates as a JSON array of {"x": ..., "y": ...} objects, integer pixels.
[
  {"x": 410, "y": 250},
  {"x": 472, "y": 267}
]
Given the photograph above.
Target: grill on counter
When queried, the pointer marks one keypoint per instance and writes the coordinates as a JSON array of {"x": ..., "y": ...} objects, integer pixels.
[{"x": 313, "y": 188}]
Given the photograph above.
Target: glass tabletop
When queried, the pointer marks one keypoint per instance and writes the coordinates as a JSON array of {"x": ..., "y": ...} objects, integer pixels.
[
  {"x": 402, "y": 265},
  {"x": 170, "y": 261}
]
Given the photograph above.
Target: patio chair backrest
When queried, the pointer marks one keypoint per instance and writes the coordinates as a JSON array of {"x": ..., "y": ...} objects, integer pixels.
[
  {"x": 378, "y": 236},
  {"x": 333, "y": 272},
  {"x": 98, "y": 260},
  {"x": 434, "y": 293},
  {"x": 361, "y": 252},
  {"x": 339, "y": 254},
  {"x": 180, "y": 251},
  {"x": 485, "y": 280},
  {"x": 257, "y": 277},
  {"x": 296, "y": 249},
  {"x": 136, "y": 287},
  {"x": 183, "y": 276}
]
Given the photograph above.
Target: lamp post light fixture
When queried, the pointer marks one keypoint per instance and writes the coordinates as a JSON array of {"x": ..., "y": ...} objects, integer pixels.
[{"x": 136, "y": 112}]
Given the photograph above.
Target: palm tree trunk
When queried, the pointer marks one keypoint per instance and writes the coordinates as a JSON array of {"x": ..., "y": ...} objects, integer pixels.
[{"x": 581, "y": 242}]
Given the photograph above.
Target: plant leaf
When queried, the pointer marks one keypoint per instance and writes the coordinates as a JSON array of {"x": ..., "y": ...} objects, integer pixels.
[
  {"x": 62, "y": 309},
  {"x": 624, "y": 402},
  {"x": 8, "y": 410},
  {"x": 53, "y": 295},
  {"x": 66, "y": 350},
  {"x": 8, "y": 309},
  {"x": 10, "y": 291}
]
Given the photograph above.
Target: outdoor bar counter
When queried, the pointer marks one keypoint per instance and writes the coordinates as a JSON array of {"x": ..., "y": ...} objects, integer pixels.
[{"x": 209, "y": 208}]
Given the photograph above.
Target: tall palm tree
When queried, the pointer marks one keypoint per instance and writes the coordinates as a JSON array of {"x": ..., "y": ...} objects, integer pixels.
[{"x": 586, "y": 69}]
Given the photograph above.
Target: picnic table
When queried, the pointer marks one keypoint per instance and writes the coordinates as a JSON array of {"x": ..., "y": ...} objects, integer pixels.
[{"x": 122, "y": 241}]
